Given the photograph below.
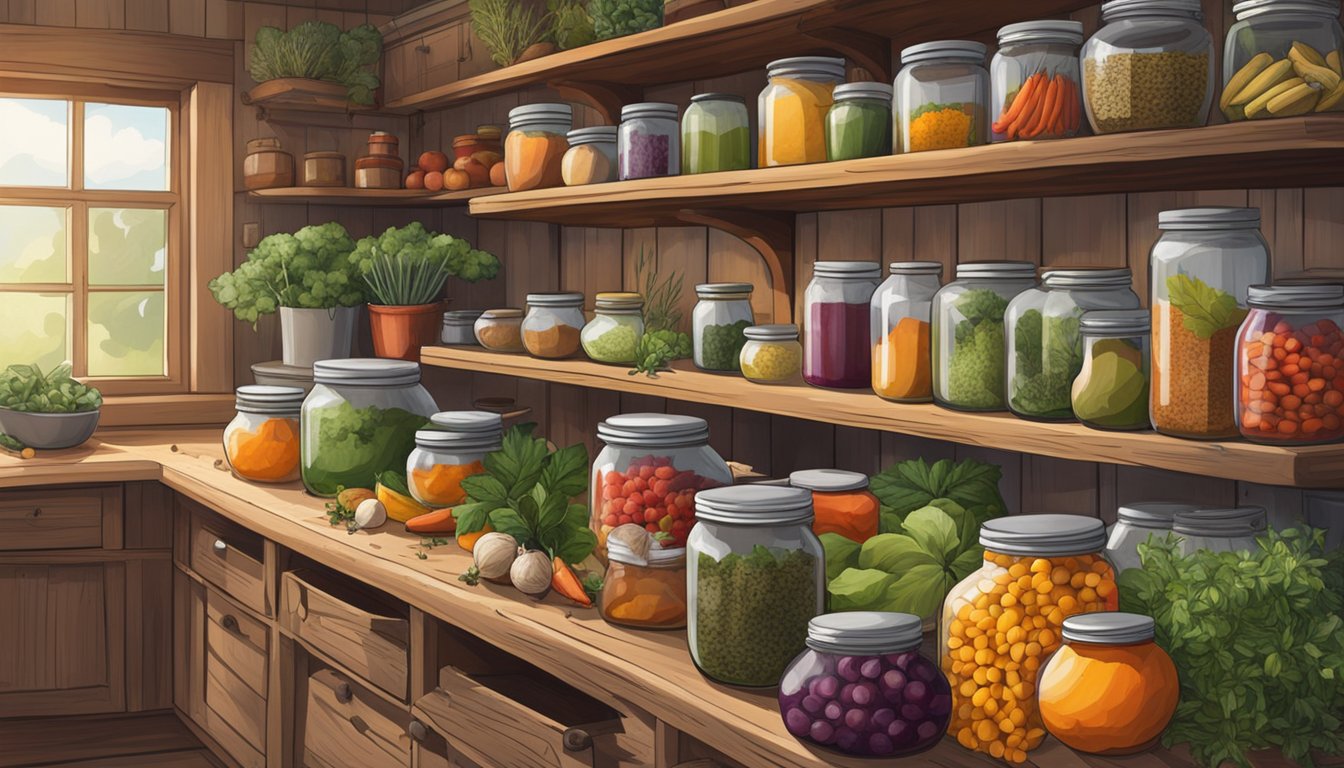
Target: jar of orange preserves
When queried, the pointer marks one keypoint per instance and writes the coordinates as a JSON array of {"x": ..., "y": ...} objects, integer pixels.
[
  {"x": 842, "y": 502},
  {"x": 644, "y": 590},
  {"x": 450, "y": 451},
  {"x": 1001, "y": 622}
]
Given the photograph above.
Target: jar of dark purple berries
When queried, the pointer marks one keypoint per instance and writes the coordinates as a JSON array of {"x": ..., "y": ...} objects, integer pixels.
[{"x": 863, "y": 689}]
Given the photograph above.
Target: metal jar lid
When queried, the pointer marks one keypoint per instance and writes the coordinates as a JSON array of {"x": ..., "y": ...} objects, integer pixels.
[
  {"x": 875, "y": 91},
  {"x": 828, "y": 480},
  {"x": 772, "y": 332},
  {"x": 565, "y": 299},
  {"x": 1087, "y": 278},
  {"x": 654, "y": 109},
  {"x": 915, "y": 268},
  {"x": 1246, "y": 9},
  {"x": 1115, "y": 323},
  {"x": 1043, "y": 535},
  {"x": 960, "y": 50},
  {"x": 1209, "y": 218},
  {"x": 653, "y": 430},
  {"x": 827, "y": 66},
  {"x": 438, "y": 439},
  {"x": 1109, "y": 628},
  {"x": 1315, "y": 296},
  {"x": 754, "y": 504},
  {"x": 461, "y": 316},
  {"x": 1115, "y": 9},
  {"x": 366, "y": 372},
  {"x": 1218, "y": 522},
  {"x": 1044, "y": 31},
  {"x": 701, "y": 98},
  {"x": 1013, "y": 270},
  {"x": 865, "y": 633},
  {"x": 534, "y": 114},
  {"x": 618, "y": 300},
  {"x": 722, "y": 290},
  {"x": 1153, "y": 515},
  {"x": 504, "y": 313},
  {"x": 620, "y": 552},
  {"x": 599, "y": 134},
  {"x": 848, "y": 270},
  {"x": 468, "y": 422},
  {"x": 262, "y": 398}
]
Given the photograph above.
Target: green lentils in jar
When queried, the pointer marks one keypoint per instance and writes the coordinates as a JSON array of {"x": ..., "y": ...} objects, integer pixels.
[
  {"x": 615, "y": 346},
  {"x": 721, "y": 345},
  {"x": 1146, "y": 91}
]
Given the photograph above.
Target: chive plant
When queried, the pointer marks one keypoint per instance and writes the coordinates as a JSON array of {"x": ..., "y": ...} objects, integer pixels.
[{"x": 395, "y": 280}]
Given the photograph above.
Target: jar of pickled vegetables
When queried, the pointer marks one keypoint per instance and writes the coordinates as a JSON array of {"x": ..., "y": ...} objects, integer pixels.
[
  {"x": 941, "y": 96},
  {"x": 969, "y": 349},
  {"x": 715, "y": 135},
  {"x": 837, "y": 350},
  {"x": 614, "y": 332},
  {"x": 772, "y": 354},
  {"x": 1111, "y": 390},
  {"x": 901, "y": 314},
  {"x": 1134, "y": 524},
  {"x": 841, "y": 502},
  {"x": 452, "y": 449},
  {"x": 859, "y": 122},
  {"x": 718, "y": 324},
  {"x": 1038, "y": 571},
  {"x": 534, "y": 150},
  {"x": 261, "y": 444},
  {"x": 645, "y": 591},
  {"x": 649, "y": 144},
  {"x": 1220, "y": 529},
  {"x": 1277, "y": 47},
  {"x": 1036, "y": 91},
  {"x": 552, "y": 324},
  {"x": 591, "y": 157},
  {"x": 792, "y": 109}
]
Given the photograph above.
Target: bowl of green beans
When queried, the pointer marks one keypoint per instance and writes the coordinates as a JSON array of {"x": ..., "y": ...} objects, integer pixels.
[{"x": 49, "y": 410}]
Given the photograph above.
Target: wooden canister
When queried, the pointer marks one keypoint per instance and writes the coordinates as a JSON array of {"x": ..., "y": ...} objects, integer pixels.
[
  {"x": 383, "y": 143},
  {"x": 266, "y": 166},
  {"x": 324, "y": 169},
  {"x": 378, "y": 172}
]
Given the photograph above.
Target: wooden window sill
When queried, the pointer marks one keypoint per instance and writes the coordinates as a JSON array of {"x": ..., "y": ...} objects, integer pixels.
[{"x": 167, "y": 410}]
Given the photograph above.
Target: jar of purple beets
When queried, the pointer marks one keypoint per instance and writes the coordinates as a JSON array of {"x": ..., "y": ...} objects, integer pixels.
[{"x": 863, "y": 689}]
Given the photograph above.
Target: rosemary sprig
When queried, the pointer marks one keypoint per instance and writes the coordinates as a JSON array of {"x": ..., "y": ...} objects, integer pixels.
[{"x": 661, "y": 295}]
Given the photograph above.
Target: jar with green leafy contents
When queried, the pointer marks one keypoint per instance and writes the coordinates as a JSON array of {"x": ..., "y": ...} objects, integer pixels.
[
  {"x": 859, "y": 123},
  {"x": 1111, "y": 390},
  {"x": 755, "y": 577},
  {"x": 941, "y": 96},
  {"x": 715, "y": 135},
  {"x": 717, "y": 324},
  {"x": 360, "y": 420},
  {"x": 613, "y": 333},
  {"x": 969, "y": 349}
]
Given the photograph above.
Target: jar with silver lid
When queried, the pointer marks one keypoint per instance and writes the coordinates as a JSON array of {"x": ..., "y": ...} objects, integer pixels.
[
  {"x": 715, "y": 134},
  {"x": 650, "y": 141},
  {"x": 1295, "y": 38},
  {"x": 969, "y": 349},
  {"x": 837, "y": 350},
  {"x": 591, "y": 157},
  {"x": 1035, "y": 58},
  {"x": 718, "y": 324},
  {"x": 942, "y": 96},
  {"x": 534, "y": 150},
  {"x": 459, "y": 327},
  {"x": 451, "y": 449},
  {"x": 1224, "y": 529},
  {"x": 859, "y": 122},
  {"x": 261, "y": 444},
  {"x": 1134, "y": 524},
  {"x": 553, "y": 323},
  {"x": 613, "y": 335},
  {"x": 791, "y": 110},
  {"x": 772, "y": 354},
  {"x": 500, "y": 330},
  {"x": 901, "y": 315},
  {"x": 1111, "y": 389}
]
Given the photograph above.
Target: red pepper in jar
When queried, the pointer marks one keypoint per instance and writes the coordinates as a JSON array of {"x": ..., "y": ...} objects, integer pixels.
[
  {"x": 653, "y": 493},
  {"x": 1291, "y": 381}
]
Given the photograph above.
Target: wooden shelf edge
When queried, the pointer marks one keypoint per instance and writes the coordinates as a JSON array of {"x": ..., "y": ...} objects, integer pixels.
[
  {"x": 410, "y": 198},
  {"x": 303, "y": 94}
]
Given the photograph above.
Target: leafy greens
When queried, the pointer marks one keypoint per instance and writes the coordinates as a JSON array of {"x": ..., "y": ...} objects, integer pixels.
[
  {"x": 309, "y": 269},
  {"x": 319, "y": 50},
  {"x": 1207, "y": 310},
  {"x": 26, "y": 388}
]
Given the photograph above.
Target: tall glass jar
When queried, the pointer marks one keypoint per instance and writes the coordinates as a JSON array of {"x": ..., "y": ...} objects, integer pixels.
[
  {"x": 859, "y": 122},
  {"x": 1202, "y": 269},
  {"x": 1034, "y": 80},
  {"x": 791, "y": 111},
  {"x": 1038, "y": 571},
  {"x": 591, "y": 157},
  {"x": 459, "y": 327},
  {"x": 450, "y": 451},
  {"x": 261, "y": 444},
  {"x": 1111, "y": 389},
  {"x": 359, "y": 420},
  {"x": 719, "y": 321},
  {"x": 647, "y": 592},
  {"x": 650, "y": 141},
  {"x": 901, "y": 315},
  {"x": 715, "y": 135},
  {"x": 534, "y": 150},
  {"x": 772, "y": 354},
  {"x": 1150, "y": 66},
  {"x": 969, "y": 349},
  {"x": 837, "y": 350},
  {"x": 649, "y": 472},
  {"x": 755, "y": 577},
  {"x": 1290, "y": 365},
  {"x": 1134, "y": 524},
  {"x": 1220, "y": 529},
  {"x": 1277, "y": 42},
  {"x": 941, "y": 96},
  {"x": 613, "y": 333},
  {"x": 553, "y": 323}
]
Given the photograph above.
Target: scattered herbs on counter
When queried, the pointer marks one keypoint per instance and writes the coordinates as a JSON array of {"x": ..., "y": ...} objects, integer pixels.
[
  {"x": 975, "y": 376},
  {"x": 656, "y": 351},
  {"x": 26, "y": 388}
]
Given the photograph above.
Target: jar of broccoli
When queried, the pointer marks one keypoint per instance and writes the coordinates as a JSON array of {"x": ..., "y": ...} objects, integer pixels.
[
  {"x": 613, "y": 333},
  {"x": 969, "y": 350},
  {"x": 717, "y": 324}
]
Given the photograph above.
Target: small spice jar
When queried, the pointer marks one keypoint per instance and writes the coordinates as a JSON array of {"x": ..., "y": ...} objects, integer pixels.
[
  {"x": 859, "y": 121},
  {"x": 266, "y": 166},
  {"x": 591, "y": 157},
  {"x": 837, "y": 350},
  {"x": 1035, "y": 88},
  {"x": 500, "y": 330},
  {"x": 718, "y": 325},
  {"x": 534, "y": 150},
  {"x": 1111, "y": 389},
  {"x": 261, "y": 444},
  {"x": 382, "y": 143},
  {"x": 1134, "y": 524},
  {"x": 969, "y": 349},
  {"x": 648, "y": 145},
  {"x": 553, "y": 323},
  {"x": 646, "y": 592},
  {"x": 466, "y": 145},
  {"x": 617, "y": 325},
  {"x": 863, "y": 688},
  {"x": 1296, "y": 38},
  {"x": 378, "y": 172},
  {"x": 1220, "y": 529},
  {"x": 450, "y": 451},
  {"x": 1110, "y": 689},
  {"x": 772, "y": 354},
  {"x": 491, "y": 138},
  {"x": 841, "y": 502},
  {"x": 791, "y": 111},
  {"x": 459, "y": 327},
  {"x": 901, "y": 317},
  {"x": 324, "y": 169},
  {"x": 715, "y": 135},
  {"x": 941, "y": 96}
]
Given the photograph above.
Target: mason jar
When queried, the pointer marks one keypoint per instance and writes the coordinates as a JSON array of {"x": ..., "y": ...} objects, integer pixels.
[
  {"x": 969, "y": 349},
  {"x": 901, "y": 315},
  {"x": 1036, "y": 60},
  {"x": 791, "y": 111},
  {"x": 650, "y": 141},
  {"x": 459, "y": 327},
  {"x": 553, "y": 323},
  {"x": 772, "y": 354},
  {"x": 261, "y": 444},
  {"x": 359, "y": 420},
  {"x": 721, "y": 316},
  {"x": 617, "y": 325},
  {"x": 1291, "y": 36},
  {"x": 859, "y": 122},
  {"x": 500, "y": 330},
  {"x": 941, "y": 96},
  {"x": 646, "y": 592},
  {"x": 837, "y": 350},
  {"x": 591, "y": 157},
  {"x": 1111, "y": 389},
  {"x": 534, "y": 150},
  {"x": 755, "y": 577},
  {"x": 1134, "y": 524},
  {"x": 452, "y": 449},
  {"x": 715, "y": 135},
  {"x": 1224, "y": 529}
]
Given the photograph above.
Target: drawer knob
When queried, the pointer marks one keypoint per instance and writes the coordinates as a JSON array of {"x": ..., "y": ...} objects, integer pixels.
[
  {"x": 417, "y": 730},
  {"x": 220, "y": 547},
  {"x": 230, "y": 623},
  {"x": 576, "y": 740},
  {"x": 37, "y": 512},
  {"x": 344, "y": 693}
]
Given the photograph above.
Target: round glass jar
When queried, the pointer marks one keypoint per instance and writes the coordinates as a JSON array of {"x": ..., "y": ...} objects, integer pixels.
[
  {"x": 901, "y": 314},
  {"x": 715, "y": 134},
  {"x": 859, "y": 122},
  {"x": 553, "y": 323},
  {"x": 1290, "y": 365},
  {"x": 1150, "y": 66},
  {"x": 1111, "y": 389},
  {"x": 837, "y": 350},
  {"x": 359, "y": 420},
  {"x": 791, "y": 111},
  {"x": 1109, "y": 690},
  {"x": 755, "y": 577},
  {"x": 500, "y": 330},
  {"x": 862, "y": 687},
  {"x": 1134, "y": 524},
  {"x": 650, "y": 141},
  {"x": 1228, "y": 529},
  {"x": 1206, "y": 258},
  {"x": 451, "y": 449},
  {"x": 261, "y": 444},
  {"x": 1035, "y": 86},
  {"x": 1038, "y": 571},
  {"x": 534, "y": 150},
  {"x": 648, "y": 472},
  {"x": 772, "y": 354},
  {"x": 644, "y": 592},
  {"x": 1278, "y": 46},
  {"x": 459, "y": 327},
  {"x": 718, "y": 324},
  {"x": 841, "y": 502},
  {"x": 969, "y": 348},
  {"x": 614, "y": 332},
  {"x": 941, "y": 96},
  {"x": 591, "y": 157}
]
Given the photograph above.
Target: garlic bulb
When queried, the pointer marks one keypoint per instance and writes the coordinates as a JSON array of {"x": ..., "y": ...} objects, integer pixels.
[
  {"x": 370, "y": 514},
  {"x": 493, "y": 554},
  {"x": 531, "y": 573}
]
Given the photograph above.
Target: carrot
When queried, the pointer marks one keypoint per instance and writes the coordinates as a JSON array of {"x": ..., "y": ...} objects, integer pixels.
[
  {"x": 438, "y": 521},
  {"x": 1019, "y": 102},
  {"x": 1061, "y": 107},
  {"x": 468, "y": 541},
  {"x": 1028, "y": 110},
  {"x": 565, "y": 582},
  {"x": 1040, "y": 122}
]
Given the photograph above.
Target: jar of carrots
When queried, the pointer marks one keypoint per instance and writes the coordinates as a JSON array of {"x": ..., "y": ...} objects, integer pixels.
[
  {"x": 261, "y": 444},
  {"x": 1034, "y": 81},
  {"x": 841, "y": 502},
  {"x": 901, "y": 313},
  {"x": 450, "y": 451}
]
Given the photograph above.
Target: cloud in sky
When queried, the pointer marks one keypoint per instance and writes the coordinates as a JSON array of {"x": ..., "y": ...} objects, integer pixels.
[{"x": 124, "y": 146}]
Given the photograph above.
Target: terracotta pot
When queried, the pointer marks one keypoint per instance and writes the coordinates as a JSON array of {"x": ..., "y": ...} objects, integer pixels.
[{"x": 400, "y": 332}]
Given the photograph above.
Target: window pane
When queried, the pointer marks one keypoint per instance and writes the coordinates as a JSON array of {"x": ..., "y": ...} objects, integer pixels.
[
  {"x": 126, "y": 332},
  {"x": 34, "y": 244},
  {"x": 125, "y": 147},
  {"x": 35, "y": 328},
  {"x": 34, "y": 138},
  {"x": 127, "y": 246}
]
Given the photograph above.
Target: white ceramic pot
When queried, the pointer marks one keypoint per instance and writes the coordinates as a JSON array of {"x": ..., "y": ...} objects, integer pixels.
[{"x": 309, "y": 335}]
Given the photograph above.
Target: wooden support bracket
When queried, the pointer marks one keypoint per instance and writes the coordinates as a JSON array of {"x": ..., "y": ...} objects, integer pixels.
[
  {"x": 864, "y": 49},
  {"x": 607, "y": 98},
  {"x": 770, "y": 233}
]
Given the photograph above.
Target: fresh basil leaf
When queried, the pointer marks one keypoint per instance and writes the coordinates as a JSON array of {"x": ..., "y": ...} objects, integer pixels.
[
  {"x": 577, "y": 545},
  {"x": 934, "y": 532},
  {"x": 894, "y": 553},
  {"x": 518, "y": 464},
  {"x": 471, "y": 517},
  {"x": 859, "y": 589},
  {"x": 551, "y": 509},
  {"x": 968, "y": 562},
  {"x": 566, "y": 471},
  {"x": 841, "y": 552},
  {"x": 506, "y": 520},
  {"x": 484, "y": 488},
  {"x": 920, "y": 591}
]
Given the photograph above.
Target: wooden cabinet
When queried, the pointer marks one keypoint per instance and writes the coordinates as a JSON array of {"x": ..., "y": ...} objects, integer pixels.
[
  {"x": 432, "y": 46},
  {"x": 228, "y": 556},
  {"x": 77, "y": 518},
  {"x": 341, "y": 722}
]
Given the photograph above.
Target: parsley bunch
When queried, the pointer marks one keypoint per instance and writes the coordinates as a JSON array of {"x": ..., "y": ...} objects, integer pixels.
[{"x": 309, "y": 269}]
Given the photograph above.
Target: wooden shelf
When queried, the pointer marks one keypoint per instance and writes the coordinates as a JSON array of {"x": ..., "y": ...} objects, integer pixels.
[
  {"x": 1306, "y": 467},
  {"x": 302, "y": 94},
  {"x": 406, "y": 198}
]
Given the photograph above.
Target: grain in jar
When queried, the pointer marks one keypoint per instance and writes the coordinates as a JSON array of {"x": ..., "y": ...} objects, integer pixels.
[
  {"x": 613, "y": 335},
  {"x": 772, "y": 354},
  {"x": 792, "y": 109},
  {"x": 501, "y": 330}
]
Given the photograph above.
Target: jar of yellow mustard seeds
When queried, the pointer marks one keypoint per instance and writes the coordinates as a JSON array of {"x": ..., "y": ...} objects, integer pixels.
[
  {"x": 792, "y": 109},
  {"x": 941, "y": 96}
]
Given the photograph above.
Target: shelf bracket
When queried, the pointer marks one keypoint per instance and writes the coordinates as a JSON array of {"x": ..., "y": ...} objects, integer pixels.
[
  {"x": 863, "y": 49},
  {"x": 607, "y": 98},
  {"x": 770, "y": 233}
]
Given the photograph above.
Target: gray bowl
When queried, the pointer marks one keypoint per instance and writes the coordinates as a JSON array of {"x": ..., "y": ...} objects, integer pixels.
[{"x": 49, "y": 431}]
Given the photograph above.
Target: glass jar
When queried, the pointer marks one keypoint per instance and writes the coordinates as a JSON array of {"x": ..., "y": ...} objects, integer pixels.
[
  {"x": 715, "y": 135},
  {"x": 500, "y": 330},
  {"x": 1038, "y": 571},
  {"x": 650, "y": 141},
  {"x": 1231, "y": 529},
  {"x": 1134, "y": 524},
  {"x": 360, "y": 420},
  {"x": 941, "y": 96},
  {"x": 901, "y": 312},
  {"x": 649, "y": 471},
  {"x": 755, "y": 577},
  {"x": 1273, "y": 43},
  {"x": 614, "y": 332},
  {"x": 1110, "y": 689},
  {"x": 459, "y": 327},
  {"x": 969, "y": 349},
  {"x": 772, "y": 354},
  {"x": 261, "y": 444},
  {"x": 1297, "y": 397},
  {"x": 791, "y": 111},
  {"x": 591, "y": 157},
  {"x": 644, "y": 592},
  {"x": 841, "y": 502},
  {"x": 553, "y": 323},
  {"x": 721, "y": 316},
  {"x": 1111, "y": 390},
  {"x": 1202, "y": 269},
  {"x": 859, "y": 122},
  {"x": 862, "y": 687},
  {"x": 1034, "y": 80},
  {"x": 448, "y": 452},
  {"x": 1150, "y": 66},
  {"x": 837, "y": 350},
  {"x": 1045, "y": 348},
  {"x": 534, "y": 150}
]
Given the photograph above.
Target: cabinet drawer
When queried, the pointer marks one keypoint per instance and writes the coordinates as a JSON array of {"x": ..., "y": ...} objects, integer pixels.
[
  {"x": 229, "y": 557},
  {"x": 345, "y": 724},
  {"x": 350, "y": 627},
  {"x": 60, "y": 519},
  {"x": 236, "y": 654}
]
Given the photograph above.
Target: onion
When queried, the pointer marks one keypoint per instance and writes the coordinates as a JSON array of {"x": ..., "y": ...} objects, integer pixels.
[
  {"x": 494, "y": 554},
  {"x": 531, "y": 573}
]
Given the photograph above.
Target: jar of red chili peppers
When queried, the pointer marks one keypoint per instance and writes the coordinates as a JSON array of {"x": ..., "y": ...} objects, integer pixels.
[{"x": 1290, "y": 386}]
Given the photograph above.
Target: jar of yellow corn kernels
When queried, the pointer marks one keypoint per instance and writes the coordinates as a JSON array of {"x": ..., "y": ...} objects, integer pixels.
[{"x": 1001, "y": 622}]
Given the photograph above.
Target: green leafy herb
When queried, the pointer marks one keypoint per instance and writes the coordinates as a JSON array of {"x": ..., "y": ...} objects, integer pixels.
[
  {"x": 657, "y": 349},
  {"x": 409, "y": 265},
  {"x": 1048, "y": 353},
  {"x": 471, "y": 577},
  {"x": 572, "y": 26},
  {"x": 909, "y": 485},
  {"x": 662, "y": 295},
  {"x": 614, "y": 18},
  {"x": 338, "y": 513},
  {"x": 508, "y": 27},
  {"x": 309, "y": 269},
  {"x": 592, "y": 585},
  {"x": 321, "y": 51},
  {"x": 393, "y": 481},
  {"x": 356, "y": 445},
  {"x": 26, "y": 388},
  {"x": 1206, "y": 310},
  {"x": 420, "y": 554}
]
